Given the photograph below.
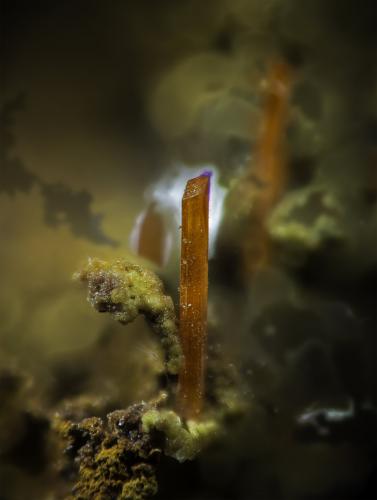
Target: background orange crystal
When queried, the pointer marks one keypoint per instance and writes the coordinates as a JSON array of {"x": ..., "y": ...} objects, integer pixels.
[{"x": 269, "y": 167}]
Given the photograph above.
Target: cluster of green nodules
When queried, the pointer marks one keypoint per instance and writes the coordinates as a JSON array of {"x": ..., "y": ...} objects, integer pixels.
[
  {"x": 126, "y": 290},
  {"x": 307, "y": 218},
  {"x": 183, "y": 441},
  {"x": 114, "y": 459},
  {"x": 120, "y": 456},
  {"x": 117, "y": 457}
]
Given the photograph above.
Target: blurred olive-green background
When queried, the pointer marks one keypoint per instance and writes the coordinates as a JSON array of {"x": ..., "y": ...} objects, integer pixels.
[{"x": 98, "y": 100}]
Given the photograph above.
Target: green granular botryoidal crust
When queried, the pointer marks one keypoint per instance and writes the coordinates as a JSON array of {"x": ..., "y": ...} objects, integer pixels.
[
  {"x": 126, "y": 290},
  {"x": 183, "y": 441},
  {"x": 109, "y": 458},
  {"x": 307, "y": 218},
  {"x": 142, "y": 486}
]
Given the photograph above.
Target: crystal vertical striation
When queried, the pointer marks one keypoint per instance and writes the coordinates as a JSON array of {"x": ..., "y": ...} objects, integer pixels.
[{"x": 194, "y": 294}]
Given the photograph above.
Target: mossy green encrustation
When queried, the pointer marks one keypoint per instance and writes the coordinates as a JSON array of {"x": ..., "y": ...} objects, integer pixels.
[
  {"x": 112, "y": 457},
  {"x": 126, "y": 290},
  {"x": 183, "y": 440},
  {"x": 307, "y": 218},
  {"x": 117, "y": 457}
]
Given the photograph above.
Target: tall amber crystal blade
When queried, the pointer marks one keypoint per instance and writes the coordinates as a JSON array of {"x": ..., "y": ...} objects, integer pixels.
[
  {"x": 194, "y": 294},
  {"x": 270, "y": 167}
]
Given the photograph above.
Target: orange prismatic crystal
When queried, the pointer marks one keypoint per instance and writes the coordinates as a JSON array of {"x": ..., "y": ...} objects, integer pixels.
[
  {"x": 194, "y": 294},
  {"x": 150, "y": 244},
  {"x": 270, "y": 164},
  {"x": 270, "y": 168}
]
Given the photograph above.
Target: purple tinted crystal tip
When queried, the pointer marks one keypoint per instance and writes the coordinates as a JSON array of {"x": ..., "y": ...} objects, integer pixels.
[{"x": 207, "y": 173}]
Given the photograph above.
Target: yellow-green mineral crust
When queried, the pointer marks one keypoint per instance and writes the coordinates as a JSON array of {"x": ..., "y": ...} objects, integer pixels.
[
  {"x": 307, "y": 218},
  {"x": 110, "y": 458},
  {"x": 183, "y": 441},
  {"x": 117, "y": 458},
  {"x": 126, "y": 290}
]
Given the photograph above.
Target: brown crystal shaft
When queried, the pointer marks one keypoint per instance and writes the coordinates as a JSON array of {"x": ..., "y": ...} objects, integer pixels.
[
  {"x": 270, "y": 167},
  {"x": 193, "y": 295},
  {"x": 151, "y": 240}
]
